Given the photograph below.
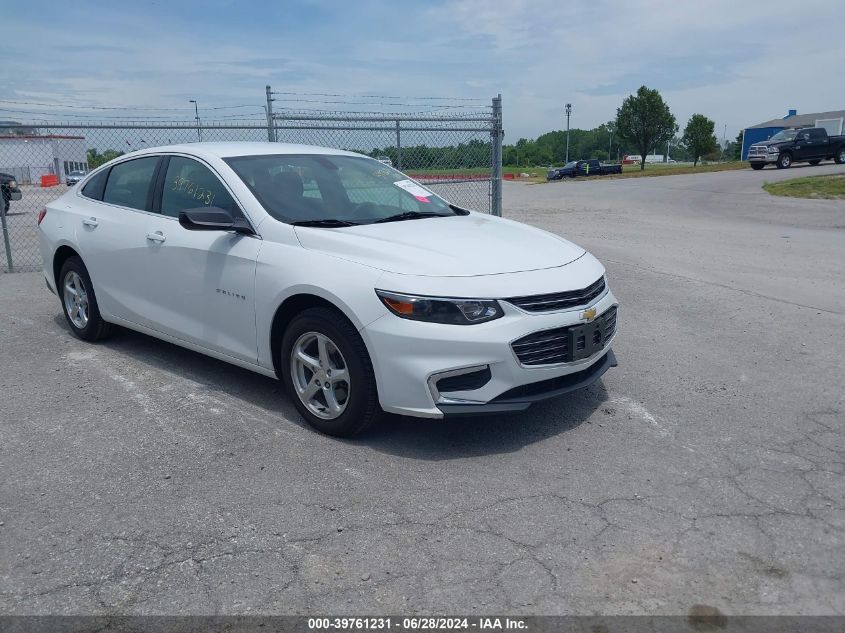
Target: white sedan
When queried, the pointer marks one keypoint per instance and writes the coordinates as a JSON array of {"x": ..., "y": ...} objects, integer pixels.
[{"x": 358, "y": 287}]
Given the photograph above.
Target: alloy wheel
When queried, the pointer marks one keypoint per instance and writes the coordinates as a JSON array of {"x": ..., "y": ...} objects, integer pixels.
[
  {"x": 75, "y": 298},
  {"x": 320, "y": 375}
]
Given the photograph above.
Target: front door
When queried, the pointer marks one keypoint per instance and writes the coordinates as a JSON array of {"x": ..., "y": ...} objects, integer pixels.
[{"x": 201, "y": 282}]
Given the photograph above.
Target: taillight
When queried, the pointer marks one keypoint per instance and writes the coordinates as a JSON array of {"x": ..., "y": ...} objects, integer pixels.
[{"x": 41, "y": 214}]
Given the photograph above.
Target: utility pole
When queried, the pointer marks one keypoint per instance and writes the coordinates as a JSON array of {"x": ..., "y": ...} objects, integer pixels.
[
  {"x": 271, "y": 129},
  {"x": 609, "y": 143},
  {"x": 496, "y": 134},
  {"x": 568, "y": 113},
  {"x": 724, "y": 140},
  {"x": 197, "y": 112}
]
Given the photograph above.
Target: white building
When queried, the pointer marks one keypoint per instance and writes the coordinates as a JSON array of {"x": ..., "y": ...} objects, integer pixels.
[{"x": 28, "y": 158}]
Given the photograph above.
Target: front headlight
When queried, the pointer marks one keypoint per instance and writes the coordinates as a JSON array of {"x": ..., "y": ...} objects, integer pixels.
[
  {"x": 13, "y": 184},
  {"x": 440, "y": 309},
  {"x": 773, "y": 150}
]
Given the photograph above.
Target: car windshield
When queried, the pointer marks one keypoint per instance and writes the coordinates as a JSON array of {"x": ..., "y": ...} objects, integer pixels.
[
  {"x": 784, "y": 135},
  {"x": 571, "y": 163},
  {"x": 335, "y": 190}
]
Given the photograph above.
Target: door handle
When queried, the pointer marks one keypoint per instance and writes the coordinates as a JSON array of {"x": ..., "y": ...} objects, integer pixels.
[
  {"x": 158, "y": 236},
  {"x": 92, "y": 222}
]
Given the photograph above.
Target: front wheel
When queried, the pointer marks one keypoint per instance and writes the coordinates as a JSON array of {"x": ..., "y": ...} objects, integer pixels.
[
  {"x": 815, "y": 162},
  {"x": 840, "y": 156},
  {"x": 757, "y": 166},
  {"x": 784, "y": 161},
  {"x": 328, "y": 373},
  {"x": 79, "y": 303}
]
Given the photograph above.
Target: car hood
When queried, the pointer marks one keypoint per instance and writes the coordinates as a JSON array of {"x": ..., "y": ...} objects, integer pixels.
[{"x": 456, "y": 246}]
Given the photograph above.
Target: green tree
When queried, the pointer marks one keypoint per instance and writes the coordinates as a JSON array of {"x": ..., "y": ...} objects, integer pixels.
[
  {"x": 644, "y": 121},
  {"x": 95, "y": 158},
  {"x": 699, "y": 137},
  {"x": 736, "y": 153}
]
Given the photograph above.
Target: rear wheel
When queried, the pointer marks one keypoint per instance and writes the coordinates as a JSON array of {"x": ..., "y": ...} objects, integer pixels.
[
  {"x": 784, "y": 161},
  {"x": 840, "y": 156},
  {"x": 815, "y": 162},
  {"x": 757, "y": 166},
  {"x": 79, "y": 303},
  {"x": 328, "y": 373}
]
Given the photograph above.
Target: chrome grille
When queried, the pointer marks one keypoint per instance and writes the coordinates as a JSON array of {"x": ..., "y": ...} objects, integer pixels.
[{"x": 559, "y": 300}]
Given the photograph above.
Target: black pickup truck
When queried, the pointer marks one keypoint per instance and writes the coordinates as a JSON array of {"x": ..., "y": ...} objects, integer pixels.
[
  {"x": 10, "y": 190},
  {"x": 577, "y": 168},
  {"x": 806, "y": 145}
]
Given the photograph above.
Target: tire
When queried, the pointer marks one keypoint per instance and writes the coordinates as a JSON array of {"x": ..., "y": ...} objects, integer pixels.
[
  {"x": 784, "y": 161},
  {"x": 757, "y": 166},
  {"x": 815, "y": 162},
  {"x": 840, "y": 156},
  {"x": 86, "y": 323},
  {"x": 355, "y": 399}
]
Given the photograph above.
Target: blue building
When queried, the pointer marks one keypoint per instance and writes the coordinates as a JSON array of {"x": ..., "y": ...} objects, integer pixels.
[{"x": 832, "y": 121}]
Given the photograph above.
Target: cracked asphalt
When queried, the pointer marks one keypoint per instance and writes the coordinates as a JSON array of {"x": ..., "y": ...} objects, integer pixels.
[{"x": 707, "y": 469}]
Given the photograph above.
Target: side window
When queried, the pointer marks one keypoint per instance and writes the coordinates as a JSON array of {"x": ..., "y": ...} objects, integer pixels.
[
  {"x": 94, "y": 188},
  {"x": 816, "y": 134},
  {"x": 129, "y": 183},
  {"x": 189, "y": 184}
]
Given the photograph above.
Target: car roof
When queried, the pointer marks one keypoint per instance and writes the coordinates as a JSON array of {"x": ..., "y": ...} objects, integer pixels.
[{"x": 239, "y": 148}]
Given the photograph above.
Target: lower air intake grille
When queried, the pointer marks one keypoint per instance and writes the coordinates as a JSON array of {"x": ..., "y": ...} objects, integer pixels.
[{"x": 566, "y": 344}]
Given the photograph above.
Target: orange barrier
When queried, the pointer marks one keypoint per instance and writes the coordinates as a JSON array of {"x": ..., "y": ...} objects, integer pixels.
[{"x": 49, "y": 180}]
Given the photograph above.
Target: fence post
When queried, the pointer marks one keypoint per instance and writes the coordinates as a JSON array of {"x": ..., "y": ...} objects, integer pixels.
[
  {"x": 271, "y": 136},
  {"x": 496, "y": 135},
  {"x": 398, "y": 147},
  {"x": 6, "y": 236}
]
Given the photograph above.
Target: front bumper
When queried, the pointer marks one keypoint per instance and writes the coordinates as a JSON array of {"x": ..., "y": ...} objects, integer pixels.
[
  {"x": 520, "y": 398},
  {"x": 409, "y": 357}
]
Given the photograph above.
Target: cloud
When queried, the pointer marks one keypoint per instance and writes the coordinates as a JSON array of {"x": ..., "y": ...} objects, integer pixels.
[{"x": 722, "y": 58}]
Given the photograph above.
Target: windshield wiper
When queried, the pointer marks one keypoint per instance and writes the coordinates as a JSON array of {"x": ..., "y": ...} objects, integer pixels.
[
  {"x": 410, "y": 215},
  {"x": 329, "y": 223}
]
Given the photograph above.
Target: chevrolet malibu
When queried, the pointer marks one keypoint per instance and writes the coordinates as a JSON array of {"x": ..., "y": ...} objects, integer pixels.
[{"x": 359, "y": 288}]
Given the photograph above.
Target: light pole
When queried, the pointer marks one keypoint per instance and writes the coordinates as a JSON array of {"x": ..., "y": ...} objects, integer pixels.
[
  {"x": 197, "y": 112},
  {"x": 609, "y": 143},
  {"x": 568, "y": 113}
]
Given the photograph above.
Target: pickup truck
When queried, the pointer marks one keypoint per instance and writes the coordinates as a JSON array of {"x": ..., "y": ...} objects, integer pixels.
[
  {"x": 576, "y": 168},
  {"x": 10, "y": 190},
  {"x": 805, "y": 145}
]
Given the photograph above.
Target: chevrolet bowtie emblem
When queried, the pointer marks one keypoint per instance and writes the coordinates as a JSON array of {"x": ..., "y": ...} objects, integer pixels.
[{"x": 589, "y": 314}]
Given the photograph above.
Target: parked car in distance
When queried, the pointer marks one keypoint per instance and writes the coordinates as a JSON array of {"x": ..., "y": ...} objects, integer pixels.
[
  {"x": 10, "y": 190},
  {"x": 74, "y": 177},
  {"x": 576, "y": 168},
  {"x": 803, "y": 145},
  {"x": 385, "y": 160},
  {"x": 360, "y": 289}
]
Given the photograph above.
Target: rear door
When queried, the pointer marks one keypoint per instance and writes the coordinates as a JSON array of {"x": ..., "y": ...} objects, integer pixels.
[
  {"x": 817, "y": 146},
  {"x": 201, "y": 283},
  {"x": 109, "y": 222}
]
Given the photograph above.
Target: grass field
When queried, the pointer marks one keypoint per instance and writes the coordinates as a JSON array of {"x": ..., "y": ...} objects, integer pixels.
[
  {"x": 830, "y": 187},
  {"x": 538, "y": 174},
  {"x": 659, "y": 169}
]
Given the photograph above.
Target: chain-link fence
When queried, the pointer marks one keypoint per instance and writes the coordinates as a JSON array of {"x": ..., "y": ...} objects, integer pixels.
[{"x": 458, "y": 156}]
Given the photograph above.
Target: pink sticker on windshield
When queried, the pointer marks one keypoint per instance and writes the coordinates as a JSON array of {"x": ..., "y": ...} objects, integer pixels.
[{"x": 422, "y": 199}]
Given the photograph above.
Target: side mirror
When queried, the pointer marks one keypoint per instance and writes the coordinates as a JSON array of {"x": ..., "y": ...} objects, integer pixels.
[{"x": 213, "y": 219}]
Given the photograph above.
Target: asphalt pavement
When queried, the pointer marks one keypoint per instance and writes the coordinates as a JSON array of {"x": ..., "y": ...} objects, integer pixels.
[{"x": 707, "y": 469}]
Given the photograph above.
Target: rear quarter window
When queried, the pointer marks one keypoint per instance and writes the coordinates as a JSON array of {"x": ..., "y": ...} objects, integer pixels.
[{"x": 94, "y": 188}]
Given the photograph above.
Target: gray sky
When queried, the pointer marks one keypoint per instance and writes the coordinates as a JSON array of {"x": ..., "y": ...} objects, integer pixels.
[{"x": 738, "y": 62}]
